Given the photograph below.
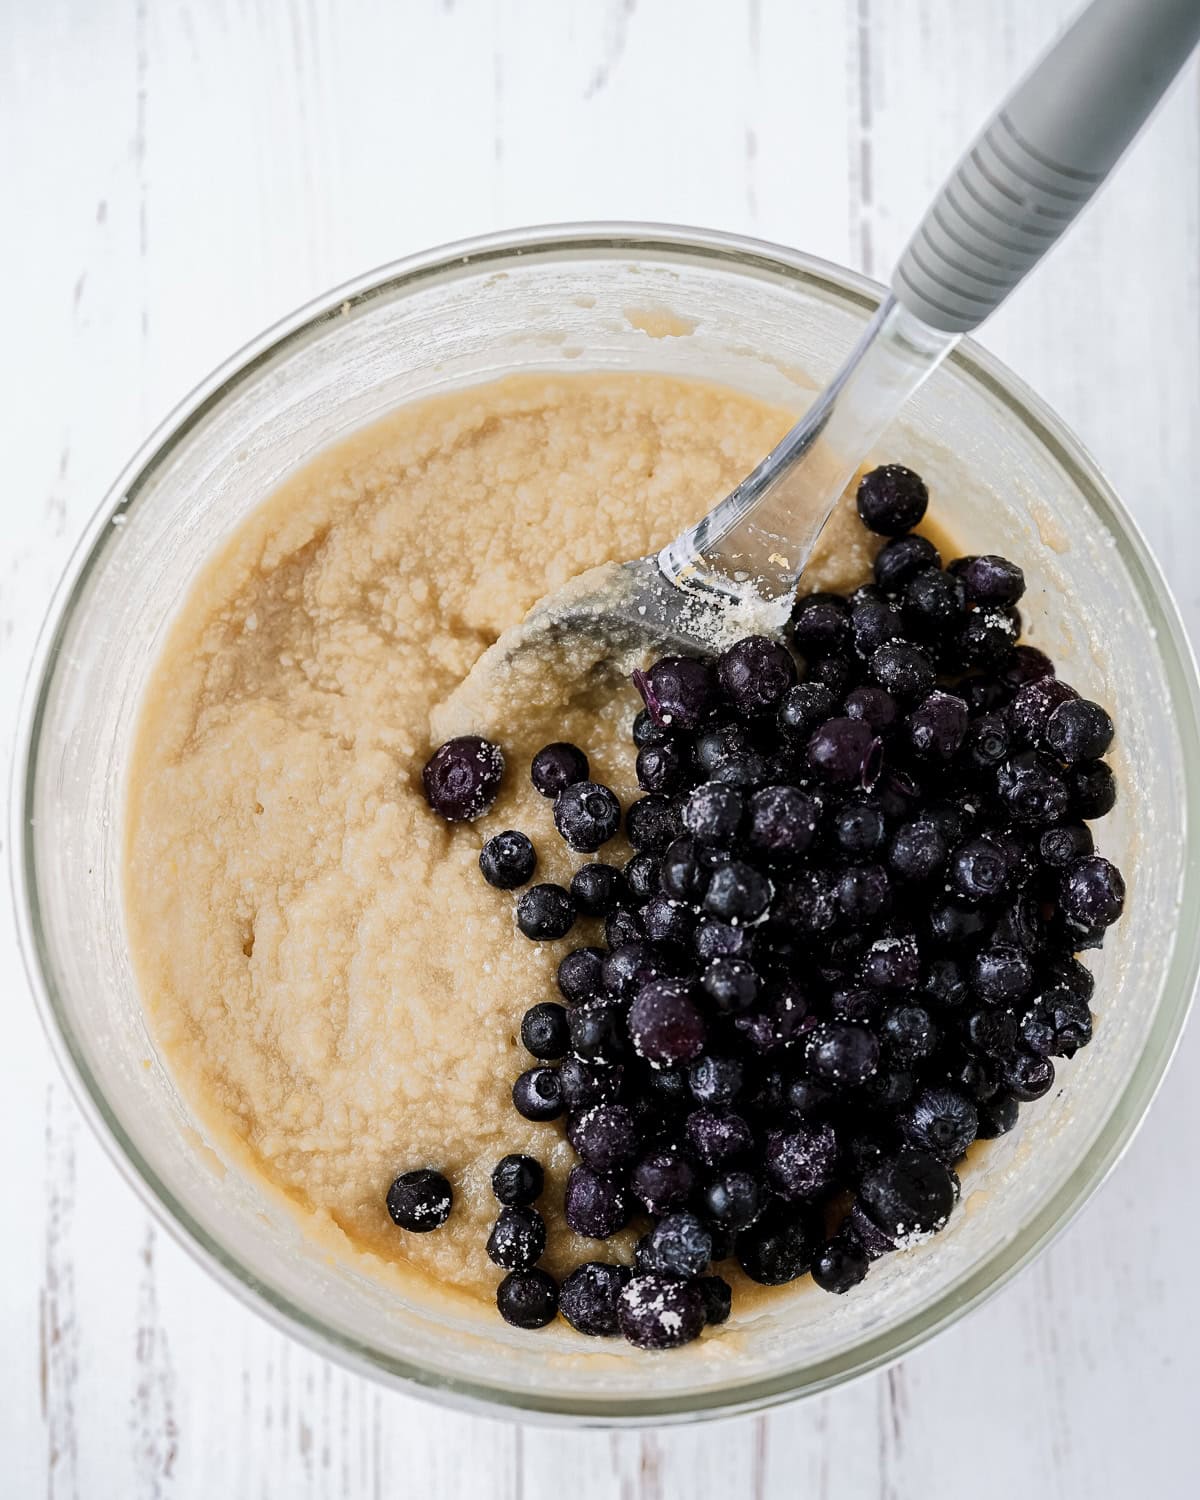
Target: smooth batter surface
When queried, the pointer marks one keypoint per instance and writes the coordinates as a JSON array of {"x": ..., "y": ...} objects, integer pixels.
[{"x": 336, "y": 990}]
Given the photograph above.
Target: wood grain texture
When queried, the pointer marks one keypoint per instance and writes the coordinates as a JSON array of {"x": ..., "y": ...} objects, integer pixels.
[{"x": 181, "y": 173}]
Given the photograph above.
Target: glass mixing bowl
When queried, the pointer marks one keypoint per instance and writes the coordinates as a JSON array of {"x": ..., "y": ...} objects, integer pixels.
[{"x": 1006, "y": 477}]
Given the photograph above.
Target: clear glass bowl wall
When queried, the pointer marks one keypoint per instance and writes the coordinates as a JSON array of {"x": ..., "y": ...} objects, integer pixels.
[{"x": 1004, "y": 475}]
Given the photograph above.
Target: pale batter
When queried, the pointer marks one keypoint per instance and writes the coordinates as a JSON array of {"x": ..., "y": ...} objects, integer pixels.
[{"x": 334, "y": 987}]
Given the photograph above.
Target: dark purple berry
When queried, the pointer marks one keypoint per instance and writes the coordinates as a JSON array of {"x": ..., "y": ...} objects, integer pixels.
[
  {"x": 713, "y": 813},
  {"x": 584, "y": 1084},
  {"x": 507, "y": 860},
  {"x": 605, "y": 1137},
  {"x": 945, "y": 986},
  {"x": 820, "y": 625},
  {"x": 1031, "y": 789},
  {"x": 587, "y": 815},
  {"x": 841, "y": 1263},
  {"x": 980, "y": 870},
  {"x": 1091, "y": 896},
  {"x": 718, "y": 1298},
  {"x": 991, "y": 1032},
  {"x": 918, "y": 851},
  {"x": 989, "y": 579},
  {"x": 1026, "y": 1076},
  {"x": 462, "y": 778},
  {"x": 1031, "y": 707},
  {"x": 997, "y": 1116},
  {"x": 589, "y": 1297},
  {"x": 803, "y": 1159},
  {"x": 1078, "y": 730},
  {"x": 718, "y": 1135},
  {"x": 663, "y": 1179},
  {"x": 891, "y": 500},
  {"x": 595, "y": 1032},
  {"x": 647, "y": 732},
  {"x": 731, "y": 984},
  {"x": 556, "y": 767},
  {"x": 545, "y": 912},
  {"x": 904, "y": 670},
  {"x": 641, "y": 877},
  {"x": 1062, "y": 846},
  {"x": 782, "y": 821},
  {"x": 892, "y": 963},
  {"x": 580, "y": 975},
  {"x": 597, "y": 889},
  {"x": 544, "y": 1031},
  {"x": 517, "y": 1180},
  {"x": 937, "y": 727},
  {"x": 661, "y": 767},
  {"x": 841, "y": 1054},
  {"x": 518, "y": 1238},
  {"x": 719, "y": 743},
  {"x": 873, "y": 705},
  {"x": 779, "y": 1246},
  {"x": 942, "y": 1122},
  {"x": 1067, "y": 972},
  {"x": 628, "y": 967},
  {"x": 733, "y": 1199},
  {"x": 898, "y": 561},
  {"x": 664, "y": 1024},
  {"x": 909, "y": 1033},
  {"x": 1025, "y": 664},
  {"x": 803, "y": 708},
  {"x": 668, "y": 921},
  {"x": 594, "y": 1206},
  {"x": 755, "y": 673},
  {"x": 622, "y": 927},
  {"x": 678, "y": 690},
  {"x": 986, "y": 742},
  {"x": 933, "y": 602},
  {"x": 537, "y": 1094},
  {"x": 678, "y": 1245},
  {"x": 986, "y": 638},
  {"x": 908, "y": 1196},
  {"x": 1093, "y": 789},
  {"x": 1057, "y": 1024},
  {"x": 1001, "y": 974},
  {"x": 953, "y": 925},
  {"x": 652, "y": 822},
  {"x": 682, "y": 874},
  {"x": 420, "y": 1201},
  {"x": 859, "y": 828},
  {"x": 715, "y": 1080},
  {"x": 838, "y": 749},
  {"x": 805, "y": 1096},
  {"x": 837, "y": 673},
  {"x": 864, "y": 894},
  {"x": 660, "y": 1312},
  {"x": 527, "y": 1299},
  {"x": 874, "y": 621},
  {"x": 737, "y": 893}
]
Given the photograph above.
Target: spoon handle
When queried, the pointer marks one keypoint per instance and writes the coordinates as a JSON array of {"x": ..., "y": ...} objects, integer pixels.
[{"x": 1032, "y": 170}]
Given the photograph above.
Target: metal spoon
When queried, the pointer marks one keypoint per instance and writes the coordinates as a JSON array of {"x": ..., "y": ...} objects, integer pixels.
[{"x": 1031, "y": 171}]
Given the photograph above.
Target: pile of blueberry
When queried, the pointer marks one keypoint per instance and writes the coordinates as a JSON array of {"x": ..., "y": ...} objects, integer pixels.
[{"x": 843, "y": 949}]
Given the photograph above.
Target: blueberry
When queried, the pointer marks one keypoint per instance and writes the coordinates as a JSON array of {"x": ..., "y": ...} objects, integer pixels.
[
  {"x": 991, "y": 1032},
  {"x": 1001, "y": 974},
  {"x": 841, "y": 1263},
  {"x": 737, "y": 893},
  {"x": 604, "y": 1136},
  {"x": 556, "y": 767},
  {"x": 933, "y": 602},
  {"x": 909, "y": 1033},
  {"x": 595, "y": 1032},
  {"x": 580, "y": 975},
  {"x": 1030, "y": 788},
  {"x": 537, "y": 1094},
  {"x": 589, "y": 1297},
  {"x": 841, "y": 1054},
  {"x": 983, "y": 693},
  {"x": 937, "y": 727},
  {"x": 518, "y": 1238},
  {"x": 986, "y": 742},
  {"x": 667, "y": 921},
  {"x": 899, "y": 560},
  {"x": 714, "y": 1079},
  {"x": 755, "y": 673},
  {"x": 713, "y": 814},
  {"x": 918, "y": 851},
  {"x": 661, "y": 767},
  {"x": 720, "y": 742},
  {"x": 544, "y": 1031},
  {"x": 986, "y": 638},
  {"x": 664, "y": 1024},
  {"x": 646, "y": 731},
  {"x": 628, "y": 967},
  {"x": 838, "y": 749},
  {"x": 820, "y": 625},
  {"x": 803, "y": 708},
  {"x": 1026, "y": 1076},
  {"x": 892, "y": 963},
  {"x": 891, "y": 500},
  {"x": 622, "y": 927},
  {"x": 1031, "y": 707},
  {"x": 1078, "y": 730},
  {"x": 584, "y": 1084},
  {"x": 980, "y": 870},
  {"x": 942, "y": 1122},
  {"x": 718, "y": 1135},
  {"x": 663, "y": 1179},
  {"x": 908, "y": 1195},
  {"x": 1025, "y": 664},
  {"x": 1093, "y": 789},
  {"x": 587, "y": 815},
  {"x": 731, "y": 984},
  {"x": 1062, "y": 846},
  {"x": 678, "y": 1245},
  {"x": 874, "y": 621},
  {"x": 720, "y": 940},
  {"x": 718, "y": 1298},
  {"x": 652, "y": 822},
  {"x": 997, "y": 1116},
  {"x": 953, "y": 925},
  {"x": 666, "y": 1092},
  {"x": 1066, "y": 971},
  {"x": 461, "y": 779},
  {"x": 527, "y": 1299},
  {"x": 660, "y": 1312},
  {"x": 867, "y": 1233},
  {"x": 837, "y": 673},
  {"x": 803, "y": 1159},
  {"x": 903, "y": 669},
  {"x": 1057, "y": 1024},
  {"x": 782, "y": 821},
  {"x": 517, "y": 1180},
  {"x": 420, "y": 1200},
  {"x": 733, "y": 1199},
  {"x": 597, "y": 889},
  {"x": 946, "y": 987},
  {"x": 507, "y": 860},
  {"x": 545, "y": 912},
  {"x": 593, "y": 1205},
  {"x": 779, "y": 1246},
  {"x": 874, "y": 705},
  {"x": 864, "y": 894},
  {"x": 805, "y": 1096},
  {"x": 1091, "y": 896},
  {"x": 778, "y": 1024},
  {"x": 858, "y": 828},
  {"x": 989, "y": 579},
  {"x": 641, "y": 877},
  {"x": 678, "y": 690}
]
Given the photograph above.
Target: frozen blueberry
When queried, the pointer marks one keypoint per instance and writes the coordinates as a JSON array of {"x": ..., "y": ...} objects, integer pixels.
[
  {"x": 997, "y": 1116},
  {"x": 462, "y": 778},
  {"x": 837, "y": 750},
  {"x": 1093, "y": 789},
  {"x": 661, "y": 767},
  {"x": 663, "y": 1179},
  {"x": 918, "y": 851},
  {"x": 714, "y": 1079},
  {"x": 664, "y": 1024},
  {"x": 537, "y": 1094},
  {"x": 873, "y": 620},
  {"x": 1091, "y": 896},
  {"x": 837, "y": 673},
  {"x": 991, "y": 1031},
  {"x": 731, "y": 984},
  {"x": 755, "y": 673},
  {"x": 628, "y": 967},
  {"x": 1031, "y": 789},
  {"x": 595, "y": 1032},
  {"x": 587, "y": 815},
  {"x": 714, "y": 939},
  {"x": 980, "y": 870},
  {"x": 652, "y": 822},
  {"x": 667, "y": 921},
  {"x": 782, "y": 821},
  {"x": 666, "y": 1092},
  {"x": 597, "y": 889},
  {"x": 605, "y": 1137},
  {"x": 1057, "y": 1024},
  {"x": 593, "y": 1205},
  {"x": 622, "y": 927},
  {"x": 584, "y": 1084},
  {"x": 713, "y": 813},
  {"x": 952, "y": 924},
  {"x": 733, "y": 1199},
  {"x": 677, "y": 690},
  {"x": 909, "y": 1033},
  {"x": 986, "y": 742},
  {"x": 544, "y": 1031},
  {"x": 1031, "y": 707},
  {"x": 891, "y": 963},
  {"x": 933, "y": 602},
  {"x": 517, "y": 1180},
  {"x": 558, "y": 766},
  {"x": 718, "y": 1298},
  {"x": 873, "y": 705},
  {"x": 420, "y": 1200},
  {"x": 1001, "y": 974},
  {"x": 986, "y": 638},
  {"x": 527, "y": 1299},
  {"x": 989, "y": 579},
  {"x": 646, "y": 731},
  {"x": 942, "y": 1122},
  {"x": 864, "y": 894},
  {"x": 841, "y": 1263},
  {"x": 803, "y": 708},
  {"x": 803, "y": 1159},
  {"x": 507, "y": 860},
  {"x": 580, "y": 975},
  {"x": 589, "y": 1296},
  {"x": 718, "y": 1135},
  {"x": 660, "y": 1312},
  {"x": 678, "y": 1245},
  {"x": 1026, "y": 1076},
  {"x": 909, "y": 1195},
  {"x": 779, "y": 1246},
  {"x": 859, "y": 828},
  {"x": 737, "y": 893},
  {"x": 820, "y": 625},
  {"x": 1078, "y": 730},
  {"x": 545, "y": 912},
  {"x": 517, "y": 1239},
  {"x": 1025, "y": 664},
  {"x": 1066, "y": 971},
  {"x": 903, "y": 669},
  {"x": 720, "y": 742},
  {"x": 946, "y": 987},
  {"x": 899, "y": 560},
  {"x": 1062, "y": 846},
  {"x": 891, "y": 500},
  {"x": 841, "y": 1054},
  {"x": 937, "y": 726}
]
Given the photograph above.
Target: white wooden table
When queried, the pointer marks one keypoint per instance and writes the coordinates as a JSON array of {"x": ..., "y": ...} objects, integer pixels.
[{"x": 179, "y": 174}]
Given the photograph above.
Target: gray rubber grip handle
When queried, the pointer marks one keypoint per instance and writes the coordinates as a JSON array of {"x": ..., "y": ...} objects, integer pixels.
[{"x": 1041, "y": 157}]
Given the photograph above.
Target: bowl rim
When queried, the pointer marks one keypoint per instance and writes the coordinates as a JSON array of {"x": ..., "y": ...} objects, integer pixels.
[{"x": 661, "y": 243}]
